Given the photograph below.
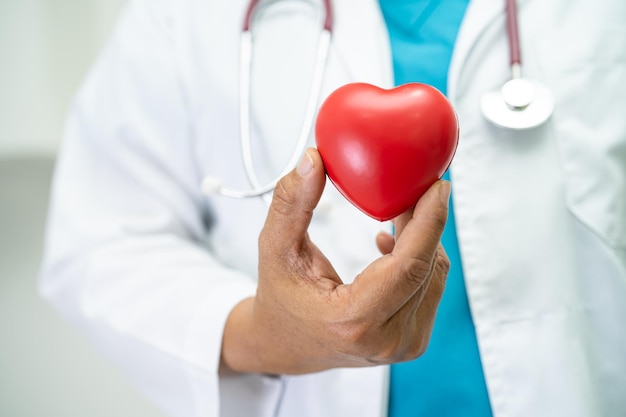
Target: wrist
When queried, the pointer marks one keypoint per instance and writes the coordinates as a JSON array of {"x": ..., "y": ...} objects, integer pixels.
[
  {"x": 238, "y": 341},
  {"x": 250, "y": 346}
]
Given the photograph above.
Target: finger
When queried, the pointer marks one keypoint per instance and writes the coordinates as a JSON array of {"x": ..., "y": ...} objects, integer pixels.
[
  {"x": 425, "y": 311},
  {"x": 295, "y": 197},
  {"x": 389, "y": 283},
  {"x": 401, "y": 221},
  {"x": 385, "y": 242},
  {"x": 422, "y": 233},
  {"x": 430, "y": 293}
]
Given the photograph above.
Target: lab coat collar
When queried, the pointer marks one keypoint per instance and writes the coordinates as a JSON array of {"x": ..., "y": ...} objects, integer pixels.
[{"x": 361, "y": 40}]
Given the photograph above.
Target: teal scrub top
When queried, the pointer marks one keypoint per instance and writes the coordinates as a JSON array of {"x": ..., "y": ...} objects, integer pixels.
[{"x": 448, "y": 379}]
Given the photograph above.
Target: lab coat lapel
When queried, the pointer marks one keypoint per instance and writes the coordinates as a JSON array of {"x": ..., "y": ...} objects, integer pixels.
[
  {"x": 479, "y": 14},
  {"x": 361, "y": 42}
]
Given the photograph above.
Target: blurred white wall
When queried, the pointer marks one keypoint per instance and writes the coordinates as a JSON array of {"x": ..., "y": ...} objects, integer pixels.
[
  {"x": 46, "y": 47},
  {"x": 47, "y": 367}
]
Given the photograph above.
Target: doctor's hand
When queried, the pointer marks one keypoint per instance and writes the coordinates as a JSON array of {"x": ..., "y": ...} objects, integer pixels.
[{"x": 305, "y": 319}]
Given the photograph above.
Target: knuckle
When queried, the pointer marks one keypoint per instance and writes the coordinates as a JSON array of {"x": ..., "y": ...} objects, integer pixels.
[
  {"x": 378, "y": 344},
  {"x": 443, "y": 263},
  {"x": 355, "y": 336},
  {"x": 435, "y": 221},
  {"x": 378, "y": 348},
  {"x": 391, "y": 352},
  {"x": 284, "y": 198},
  {"x": 439, "y": 220},
  {"x": 278, "y": 221},
  {"x": 418, "y": 269},
  {"x": 352, "y": 335},
  {"x": 416, "y": 346},
  {"x": 398, "y": 349},
  {"x": 442, "y": 267},
  {"x": 417, "y": 350},
  {"x": 267, "y": 241},
  {"x": 438, "y": 286}
]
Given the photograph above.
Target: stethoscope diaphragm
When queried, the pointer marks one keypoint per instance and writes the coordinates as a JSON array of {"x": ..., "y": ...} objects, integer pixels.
[{"x": 520, "y": 103}]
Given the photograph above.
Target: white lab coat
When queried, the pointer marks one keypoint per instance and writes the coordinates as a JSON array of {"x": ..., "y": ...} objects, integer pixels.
[{"x": 151, "y": 268}]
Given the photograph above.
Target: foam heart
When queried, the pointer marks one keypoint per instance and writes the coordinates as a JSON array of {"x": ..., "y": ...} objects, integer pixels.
[{"x": 384, "y": 148}]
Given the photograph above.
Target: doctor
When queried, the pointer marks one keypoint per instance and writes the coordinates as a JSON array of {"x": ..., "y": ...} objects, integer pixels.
[{"x": 224, "y": 307}]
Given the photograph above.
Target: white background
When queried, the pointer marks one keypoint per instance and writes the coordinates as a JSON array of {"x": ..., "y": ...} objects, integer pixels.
[
  {"x": 47, "y": 367},
  {"x": 46, "y": 47}
]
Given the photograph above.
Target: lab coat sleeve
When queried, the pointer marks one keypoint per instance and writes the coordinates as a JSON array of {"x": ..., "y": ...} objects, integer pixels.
[{"x": 124, "y": 254}]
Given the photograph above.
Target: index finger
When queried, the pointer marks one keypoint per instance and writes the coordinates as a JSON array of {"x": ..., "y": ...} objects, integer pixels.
[
  {"x": 392, "y": 282},
  {"x": 422, "y": 233}
]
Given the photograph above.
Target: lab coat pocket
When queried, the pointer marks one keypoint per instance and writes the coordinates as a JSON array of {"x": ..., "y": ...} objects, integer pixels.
[{"x": 590, "y": 128}]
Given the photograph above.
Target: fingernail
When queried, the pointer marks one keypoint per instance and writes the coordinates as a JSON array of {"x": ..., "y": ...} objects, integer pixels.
[
  {"x": 444, "y": 192},
  {"x": 306, "y": 165}
]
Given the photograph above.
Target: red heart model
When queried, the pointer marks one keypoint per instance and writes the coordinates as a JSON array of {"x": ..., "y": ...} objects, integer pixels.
[{"x": 384, "y": 148}]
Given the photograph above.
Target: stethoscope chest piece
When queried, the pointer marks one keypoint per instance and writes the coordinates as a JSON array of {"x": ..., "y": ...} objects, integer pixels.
[{"x": 519, "y": 104}]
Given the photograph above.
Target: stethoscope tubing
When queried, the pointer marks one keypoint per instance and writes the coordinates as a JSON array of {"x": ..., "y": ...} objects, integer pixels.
[
  {"x": 495, "y": 105},
  {"x": 512, "y": 29},
  {"x": 252, "y": 7},
  {"x": 212, "y": 186},
  {"x": 323, "y": 48}
]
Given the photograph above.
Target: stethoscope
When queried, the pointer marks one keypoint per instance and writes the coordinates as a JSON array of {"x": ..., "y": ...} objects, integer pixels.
[
  {"x": 519, "y": 104},
  {"x": 212, "y": 185}
]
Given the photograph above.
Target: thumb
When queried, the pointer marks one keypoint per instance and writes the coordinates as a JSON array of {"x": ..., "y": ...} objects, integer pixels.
[{"x": 295, "y": 197}]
